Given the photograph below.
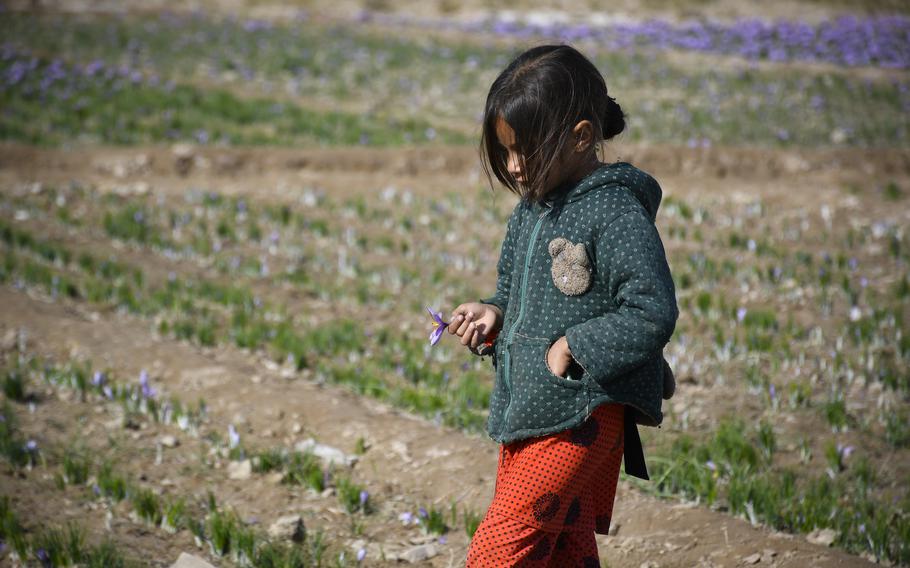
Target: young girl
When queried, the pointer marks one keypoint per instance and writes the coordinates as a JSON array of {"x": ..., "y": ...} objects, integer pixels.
[{"x": 584, "y": 305}]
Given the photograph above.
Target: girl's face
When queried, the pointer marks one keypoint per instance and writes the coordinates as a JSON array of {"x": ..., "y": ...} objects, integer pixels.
[
  {"x": 506, "y": 137},
  {"x": 574, "y": 161}
]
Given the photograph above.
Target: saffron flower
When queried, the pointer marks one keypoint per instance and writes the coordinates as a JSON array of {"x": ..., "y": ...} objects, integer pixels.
[
  {"x": 233, "y": 437},
  {"x": 98, "y": 379},
  {"x": 147, "y": 390},
  {"x": 439, "y": 326}
]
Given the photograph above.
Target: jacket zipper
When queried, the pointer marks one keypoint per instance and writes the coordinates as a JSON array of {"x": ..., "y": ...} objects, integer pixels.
[{"x": 510, "y": 336}]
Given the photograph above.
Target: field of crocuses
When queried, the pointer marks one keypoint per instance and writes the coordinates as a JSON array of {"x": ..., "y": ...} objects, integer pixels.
[{"x": 220, "y": 237}]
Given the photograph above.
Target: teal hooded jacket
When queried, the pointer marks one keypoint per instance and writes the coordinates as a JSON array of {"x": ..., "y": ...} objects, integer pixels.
[{"x": 588, "y": 265}]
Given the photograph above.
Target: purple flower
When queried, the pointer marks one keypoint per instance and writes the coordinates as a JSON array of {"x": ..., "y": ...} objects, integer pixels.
[
  {"x": 31, "y": 446},
  {"x": 711, "y": 465},
  {"x": 364, "y": 495},
  {"x": 44, "y": 557},
  {"x": 741, "y": 314},
  {"x": 844, "y": 451},
  {"x": 407, "y": 517},
  {"x": 442, "y": 540},
  {"x": 361, "y": 554},
  {"x": 98, "y": 379},
  {"x": 422, "y": 513},
  {"x": 772, "y": 391},
  {"x": 107, "y": 391},
  {"x": 233, "y": 437},
  {"x": 147, "y": 390},
  {"x": 439, "y": 326}
]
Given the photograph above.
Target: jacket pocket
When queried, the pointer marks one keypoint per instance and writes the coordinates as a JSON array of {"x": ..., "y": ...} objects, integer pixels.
[{"x": 540, "y": 399}]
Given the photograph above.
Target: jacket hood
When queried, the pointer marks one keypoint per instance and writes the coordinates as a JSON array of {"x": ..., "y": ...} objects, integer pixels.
[{"x": 619, "y": 174}]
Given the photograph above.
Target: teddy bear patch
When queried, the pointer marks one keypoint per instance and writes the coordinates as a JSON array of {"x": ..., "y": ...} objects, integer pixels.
[{"x": 571, "y": 268}]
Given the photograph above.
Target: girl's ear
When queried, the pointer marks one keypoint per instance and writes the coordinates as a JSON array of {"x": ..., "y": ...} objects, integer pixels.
[{"x": 584, "y": 135}]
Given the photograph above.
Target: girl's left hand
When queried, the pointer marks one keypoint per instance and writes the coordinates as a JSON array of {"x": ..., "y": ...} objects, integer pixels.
[{"x": 559, "y": 358}]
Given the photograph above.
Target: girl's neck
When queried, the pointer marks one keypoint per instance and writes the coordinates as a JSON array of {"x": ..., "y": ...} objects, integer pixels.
[{"x": 583, "y": 169}]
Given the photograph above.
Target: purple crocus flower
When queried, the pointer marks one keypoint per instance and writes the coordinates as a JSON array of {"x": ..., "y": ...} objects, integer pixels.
[
  {"x": 439, "y": 326},
  {"x": 361, "y": 554},
  {"x": 844, "y": 451},
  {"x": 233, "y": 437},
  {"x": 98, "y": 379},
  {"x": 44, "y": 557},
  {"x": 31, "y": 446},
  {"x": 364, "y": 495},
  {"x": 108, "y": 392},
  {"x": 741, "y": 314},
  {"x": 147, "y": 390}
]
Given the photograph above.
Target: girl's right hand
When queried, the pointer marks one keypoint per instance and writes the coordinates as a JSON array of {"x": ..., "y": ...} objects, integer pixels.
[{"x": 473, "y": 322}]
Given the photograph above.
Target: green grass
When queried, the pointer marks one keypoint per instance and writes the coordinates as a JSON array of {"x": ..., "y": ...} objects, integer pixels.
[
  {"x": 415, "y": 87},
  {"x": 66, "y": 546},
  {"x": 119, "y": 111},
  {"x": 728, "y": 470}
]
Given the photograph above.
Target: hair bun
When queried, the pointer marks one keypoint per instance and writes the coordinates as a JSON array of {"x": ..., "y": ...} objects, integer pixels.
[{"x": 614, "y": 120}]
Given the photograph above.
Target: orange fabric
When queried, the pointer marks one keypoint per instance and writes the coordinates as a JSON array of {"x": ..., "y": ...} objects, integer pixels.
[{"x": 553, "y": 490}]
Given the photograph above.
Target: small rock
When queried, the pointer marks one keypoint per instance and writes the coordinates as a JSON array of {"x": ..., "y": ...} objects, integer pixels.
[
  {"x": 169, "y": 441},
  {"x": 297, "y": 428},
  {"x": 184, "y": 156},
  {"x": 240, "y": 470},
  {"x": 767, "y": 555},
  {"x": 419, "y": 553},
  {"x": 10, "y": 340},
  {"x": 274, "y": 478},
  {"x": 752, "y": 558},
  {"x": 328, "y": 454},
  {"x": 649, "y": 564},
  {"x": 400, "y": 448},
  {"x": 256, "y": 379},
  {"x": 822, "y": 537},
  {"x": 289, "y": 527},
  {"x": 189, "y": 561}
]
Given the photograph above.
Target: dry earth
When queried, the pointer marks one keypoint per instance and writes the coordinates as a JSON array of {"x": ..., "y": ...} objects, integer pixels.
[{"x": 409, "y": 462}]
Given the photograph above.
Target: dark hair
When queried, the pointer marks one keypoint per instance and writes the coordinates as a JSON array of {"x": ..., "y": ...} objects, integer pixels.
[{"x": 542, "y": 94}]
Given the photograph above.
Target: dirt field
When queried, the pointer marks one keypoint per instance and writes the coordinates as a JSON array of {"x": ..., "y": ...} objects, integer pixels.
[{"x": 409, "y": 461}]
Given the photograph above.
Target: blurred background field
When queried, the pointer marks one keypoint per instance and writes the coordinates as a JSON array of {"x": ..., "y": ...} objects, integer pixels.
[{"x": 222, "y": 222}]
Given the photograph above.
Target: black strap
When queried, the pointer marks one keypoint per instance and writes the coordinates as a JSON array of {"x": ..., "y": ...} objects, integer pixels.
[{"x": 633, "y": 453}]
